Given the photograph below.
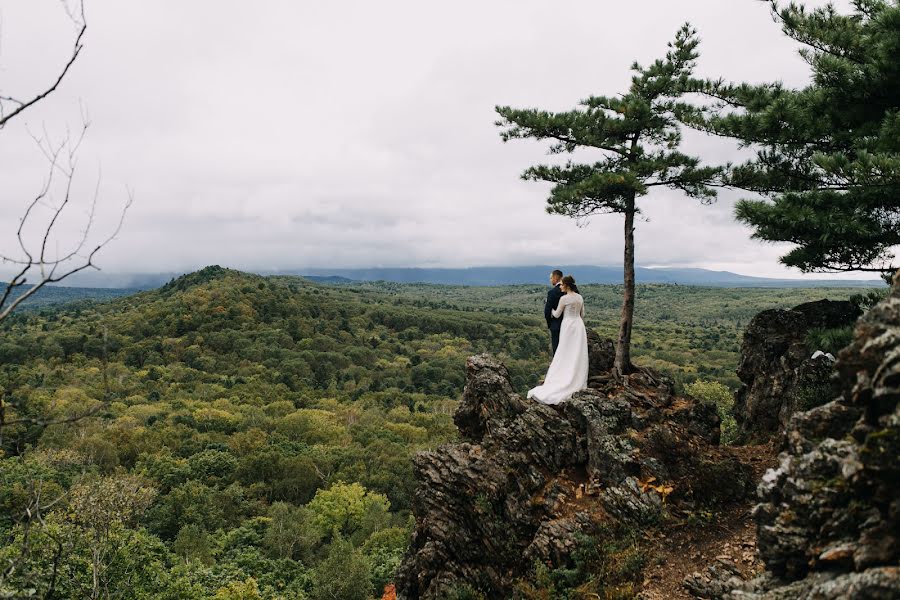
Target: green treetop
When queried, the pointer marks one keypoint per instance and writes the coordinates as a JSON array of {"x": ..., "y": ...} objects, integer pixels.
[
  {"x": 827, "y": 156},
  {"x": 638, "y": 138}
]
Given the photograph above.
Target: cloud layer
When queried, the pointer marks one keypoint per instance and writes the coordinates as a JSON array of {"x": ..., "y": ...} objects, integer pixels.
[{"x": 284, "y": 134}]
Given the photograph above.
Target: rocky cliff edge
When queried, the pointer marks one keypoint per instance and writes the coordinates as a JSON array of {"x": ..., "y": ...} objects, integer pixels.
[{"x": 528, "y": 479}]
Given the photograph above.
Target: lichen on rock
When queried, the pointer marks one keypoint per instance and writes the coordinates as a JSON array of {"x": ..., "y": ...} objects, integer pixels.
[
  {"x": 829, "y": 515},
  {"x": 777, "y": 370},
  {"x": 529, "y": 480}
]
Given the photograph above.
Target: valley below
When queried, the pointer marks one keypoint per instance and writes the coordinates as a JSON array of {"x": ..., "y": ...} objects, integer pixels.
[{"x": 260, "y": 433}]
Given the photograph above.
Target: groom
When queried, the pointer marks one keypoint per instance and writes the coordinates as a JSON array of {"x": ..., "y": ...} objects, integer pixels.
[{"x": 550, "y": 305}]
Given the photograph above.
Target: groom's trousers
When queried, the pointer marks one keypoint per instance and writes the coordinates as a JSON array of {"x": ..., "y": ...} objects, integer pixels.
[{"x": 554, "y": 340}]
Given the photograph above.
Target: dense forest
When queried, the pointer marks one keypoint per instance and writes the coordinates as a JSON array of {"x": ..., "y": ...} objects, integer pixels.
[{"x": 236, "y": 436}]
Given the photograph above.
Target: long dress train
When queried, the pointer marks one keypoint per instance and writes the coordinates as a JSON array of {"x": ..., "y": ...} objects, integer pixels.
[{"x": 569, "y": 369}]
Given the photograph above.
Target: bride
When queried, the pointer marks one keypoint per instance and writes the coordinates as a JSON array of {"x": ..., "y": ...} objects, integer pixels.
[{"x": 569, "y": 369}]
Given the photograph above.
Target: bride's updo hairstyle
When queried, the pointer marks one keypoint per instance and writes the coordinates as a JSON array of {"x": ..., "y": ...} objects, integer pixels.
[{"x": 570, "y": 283}]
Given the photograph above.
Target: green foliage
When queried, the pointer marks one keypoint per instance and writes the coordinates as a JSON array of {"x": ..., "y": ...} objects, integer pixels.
[
  {"x": 292, "y": 531},
  {"x": 869, "y": 299},
  {"x": 122, "y": 556},
  {"x": 828, "y": 154},
  {"x": 831, "y": 340},
  {"x": 344, "y": 575},
  {"x": 73, "y": 297},
  {"x": 191, "y": 503},
  {"x": 606, "y": 564},
  {"x": 464, "y": 591},
  {"x": 348, "y": 509},
  {"x": 713, "y": 392},
  {"x": 701, "y": 518},
  {"x": 192, "y": 544},
  {"x": 101, "y": 503},
  {"x": 635, "y": 131},
  {"x": 312, "y": 426},
  {"x": 210, "y": 397},
  {"x": 385, "y": 549},
  {"x": 244, "y": 590},
  {"x": 812, "y": 395}
]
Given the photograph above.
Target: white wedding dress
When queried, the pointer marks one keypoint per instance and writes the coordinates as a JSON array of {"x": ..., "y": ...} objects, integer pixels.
[{"x": 568, "y": 371}]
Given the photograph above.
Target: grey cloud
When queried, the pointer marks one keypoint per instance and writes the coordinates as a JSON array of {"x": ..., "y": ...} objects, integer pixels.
[{"x": 288, "y": 134}]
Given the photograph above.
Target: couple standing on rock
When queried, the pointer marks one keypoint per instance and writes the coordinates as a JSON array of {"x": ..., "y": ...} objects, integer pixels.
[{"x": 564, "y": 312}]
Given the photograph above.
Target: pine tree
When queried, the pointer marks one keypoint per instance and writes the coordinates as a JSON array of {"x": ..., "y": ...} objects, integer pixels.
[
  {"x": 827, "y": 156},
  {"x": 638, "y": 138}
]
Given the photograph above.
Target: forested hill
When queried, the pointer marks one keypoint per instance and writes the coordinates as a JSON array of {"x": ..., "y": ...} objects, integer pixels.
[
  {"x": 304, "y": 336},
  {"x": 372, "y": 336},
  {"x": 258, "y": 431}
]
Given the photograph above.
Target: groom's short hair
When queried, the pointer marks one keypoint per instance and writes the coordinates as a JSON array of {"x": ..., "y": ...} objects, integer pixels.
[{"x": 557, "y": 273}]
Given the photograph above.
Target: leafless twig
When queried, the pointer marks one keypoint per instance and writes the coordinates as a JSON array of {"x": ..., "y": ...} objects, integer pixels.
[
  {"x": 61, "y": 163},
  {"x": 39, "y": 266},
  {"x": 19, "y": 106}
]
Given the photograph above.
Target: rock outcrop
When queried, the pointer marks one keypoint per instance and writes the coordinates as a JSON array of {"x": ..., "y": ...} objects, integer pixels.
[
  {"x": 829, "y": 518},
  {"x": 528, "y": 478},
  {"x": 776, "y": 368},
  {"x": 601, "y": 356}
]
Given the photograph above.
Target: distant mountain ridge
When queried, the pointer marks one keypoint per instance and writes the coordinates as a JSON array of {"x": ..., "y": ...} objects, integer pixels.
[
  {"x": 484, "y": 276},
  {"x": 584, "y": 274},
  {"x": 50, "y": 295}
]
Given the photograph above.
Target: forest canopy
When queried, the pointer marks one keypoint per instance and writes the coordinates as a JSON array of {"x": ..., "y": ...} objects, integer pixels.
[{"x": 258, "y": 431}]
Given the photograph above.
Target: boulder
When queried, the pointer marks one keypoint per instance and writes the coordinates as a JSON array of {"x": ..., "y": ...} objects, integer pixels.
[
  {"x": 720, "y": 578},
  {"x": 777, "y": 372},
  {"x": 828, "y": 522},
  {"x": 488, "y": 398},
  {"x": 601, "y": 354},
  {"x": 529, "y": 480}
]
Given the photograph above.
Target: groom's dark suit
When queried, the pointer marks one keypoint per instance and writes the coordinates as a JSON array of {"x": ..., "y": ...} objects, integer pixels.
[{"x": 550, "y": 305}]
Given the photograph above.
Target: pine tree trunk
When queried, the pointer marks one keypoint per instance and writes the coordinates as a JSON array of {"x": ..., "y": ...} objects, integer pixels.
[{"x": 622, "y": 363}]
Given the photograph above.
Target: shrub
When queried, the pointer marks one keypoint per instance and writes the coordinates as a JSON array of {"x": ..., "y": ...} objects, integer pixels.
[
  {"x": 829, "y": 340},
  {"x": 344, "y": 574},
  {"x": 715, "y": 393},
  {"x": 464, "y": 591},
  {"x": 813, "y": 394},
  {"x": 607, "y": 564}
]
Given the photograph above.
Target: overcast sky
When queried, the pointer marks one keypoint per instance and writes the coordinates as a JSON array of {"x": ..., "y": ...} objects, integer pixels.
[{"x": 290, "y": 134}]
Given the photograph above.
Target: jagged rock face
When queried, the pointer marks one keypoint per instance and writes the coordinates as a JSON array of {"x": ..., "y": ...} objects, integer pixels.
[
  {"x": 529, "y": 478},
  {"x": 488, "y": 399},
  {"x": 829, "y": 518},
  {"x": 776, "y": 367},
  {"x": 722, "y": 583},
  {"x": 601, "y": 354},
  {"x": 720, "y": 578}
]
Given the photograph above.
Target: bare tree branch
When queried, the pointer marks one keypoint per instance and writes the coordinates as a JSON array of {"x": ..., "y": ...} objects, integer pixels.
[
  {"x": 38, "y": 258},
  {"x": 53, "y": 270},
  {"x": 77, "y": 15}
]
